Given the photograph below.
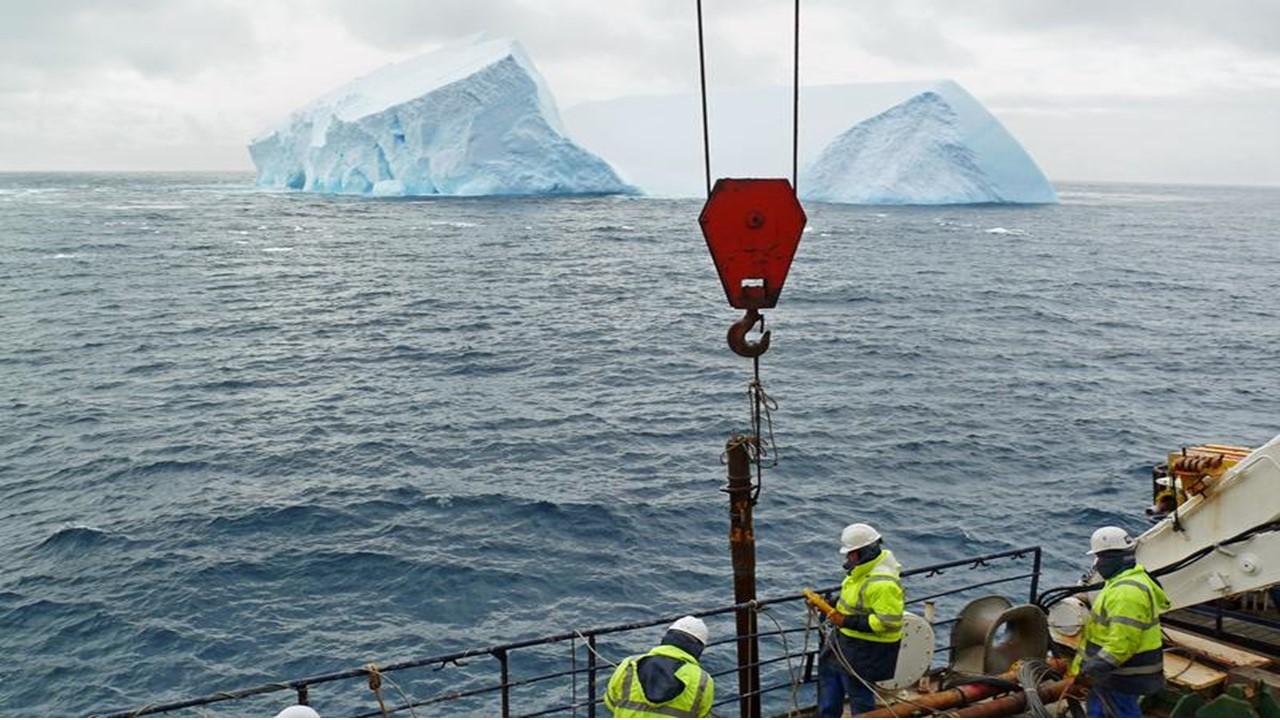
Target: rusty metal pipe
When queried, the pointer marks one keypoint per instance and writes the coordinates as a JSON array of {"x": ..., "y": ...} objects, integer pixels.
[
  {"x": 1013, "y": 703},
  {"x": 942, "y": 700},
  {"x": 966, "y": 694},
  {"x": 742, "y": 547}
]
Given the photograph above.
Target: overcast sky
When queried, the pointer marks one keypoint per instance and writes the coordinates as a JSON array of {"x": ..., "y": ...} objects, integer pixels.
[{"x": 1145, "y": 90}]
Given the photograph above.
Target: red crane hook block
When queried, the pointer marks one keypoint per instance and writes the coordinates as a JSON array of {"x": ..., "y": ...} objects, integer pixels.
[{"x": 752, "y": 227}]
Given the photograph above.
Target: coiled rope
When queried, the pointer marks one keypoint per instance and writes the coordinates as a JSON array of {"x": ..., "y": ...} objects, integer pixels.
[{"x": 376, "y": 677}]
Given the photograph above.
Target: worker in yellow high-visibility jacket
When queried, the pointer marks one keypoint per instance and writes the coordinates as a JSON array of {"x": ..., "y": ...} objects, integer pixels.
[
  {"x": 667, "y": 681},
  {"x": 863, "y": 644},
  {"x": 1120, "y": 651}
]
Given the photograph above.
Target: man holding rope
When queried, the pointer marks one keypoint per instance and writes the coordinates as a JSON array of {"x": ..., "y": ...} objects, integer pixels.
[{"x": 862, "y": 647}]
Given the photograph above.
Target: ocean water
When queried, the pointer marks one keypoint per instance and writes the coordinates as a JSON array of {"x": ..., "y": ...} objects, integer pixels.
[{"x": 246, "y": 436}]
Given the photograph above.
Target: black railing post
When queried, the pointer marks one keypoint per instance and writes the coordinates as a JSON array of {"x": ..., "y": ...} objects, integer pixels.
[
  {"x": 303, "y": 698},
  {"x": 1035, "y": 576},
  {"x": 591, "y": 676},
  {"x": 742, "y": 546},
  {"x": 504, "y": 678}
]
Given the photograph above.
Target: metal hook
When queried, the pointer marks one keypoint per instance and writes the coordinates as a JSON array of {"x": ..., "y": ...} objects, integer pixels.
[{"x": 738, "y": 335}]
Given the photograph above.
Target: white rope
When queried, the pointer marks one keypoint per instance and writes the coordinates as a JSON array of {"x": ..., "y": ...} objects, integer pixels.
[
  {"x": 593, "y": 650},
  {"x": 834, "y": 643},
  {"x": 786, "y": 652}
]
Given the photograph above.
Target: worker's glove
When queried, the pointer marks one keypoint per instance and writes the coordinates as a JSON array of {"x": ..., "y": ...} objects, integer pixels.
[
  {"x": 1076, "y": 687},
  {"x": 1095, "y": 669},
  {"x": 861, "y": 623}
]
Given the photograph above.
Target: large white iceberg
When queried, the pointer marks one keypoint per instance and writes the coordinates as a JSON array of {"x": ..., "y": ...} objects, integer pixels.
[
  {"x": 471, "y": 119},
  {"x": 915, "y": 153},
  {"x": 656, "y": 141}
]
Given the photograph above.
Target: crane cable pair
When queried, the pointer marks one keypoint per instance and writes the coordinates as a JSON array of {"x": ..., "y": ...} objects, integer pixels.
[{"x": 762, "y": 405}]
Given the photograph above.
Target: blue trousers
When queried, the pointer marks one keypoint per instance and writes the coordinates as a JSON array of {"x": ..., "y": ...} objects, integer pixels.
[
  {"x": 833, "y": 685},
  {"x": 1123, "y": 704}
]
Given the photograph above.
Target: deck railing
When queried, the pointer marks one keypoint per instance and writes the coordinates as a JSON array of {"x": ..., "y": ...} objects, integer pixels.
[{"x": 566, "y": 674}]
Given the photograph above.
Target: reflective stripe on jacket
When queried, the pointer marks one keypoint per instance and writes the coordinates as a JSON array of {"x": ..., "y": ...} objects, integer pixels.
[
  {"x": 625, "y": 696},
  {"x": 874, "y": 589},
  {"x": 1124, "y": 630}
]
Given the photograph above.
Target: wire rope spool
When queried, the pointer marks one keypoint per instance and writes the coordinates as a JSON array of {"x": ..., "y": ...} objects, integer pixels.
[{"x": 915, "y": 655}]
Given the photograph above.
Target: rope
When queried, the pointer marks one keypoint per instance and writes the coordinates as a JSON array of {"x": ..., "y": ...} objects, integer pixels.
[
  {"x": 762, "y": 407},
  {"x": 408, "y": 701},
  {"x": 786, "y": 651},
  {"x": 375, "y": 684},
  {"x": 706, "y": 132},
  {"x": 761, "y": 404},
  {"x": 1030, "y": 674},
  {"x": 599, "y": 657},
  {"x": 888, "y": 700},
  {"x": 834, "y": 644}
]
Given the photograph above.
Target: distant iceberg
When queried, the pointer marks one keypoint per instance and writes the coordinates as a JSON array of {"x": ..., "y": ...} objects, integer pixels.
[
  {"x": 656, "y": 141},
  {"x": 471, "y": 119},
  {"x": 917, "y": 153}
]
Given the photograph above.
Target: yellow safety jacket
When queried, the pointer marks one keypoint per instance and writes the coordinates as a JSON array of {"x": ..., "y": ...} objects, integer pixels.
[
  {"x": 1124, "y": 630},
  {"x": 874, "y": 589},
  {"x": 625, "y": 696}
]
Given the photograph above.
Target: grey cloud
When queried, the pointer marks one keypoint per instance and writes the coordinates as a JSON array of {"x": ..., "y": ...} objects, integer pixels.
[
  {"x": 155, "y": 37},
  {"x": 1247, "y": 24},
  {"x": 394, "y": 24},
  {"x": 892, "y": 32},
  {"x": 662, "y": 43}
]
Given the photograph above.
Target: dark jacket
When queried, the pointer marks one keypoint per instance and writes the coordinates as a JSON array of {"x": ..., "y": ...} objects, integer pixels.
[{"x": 658, "y": 673}]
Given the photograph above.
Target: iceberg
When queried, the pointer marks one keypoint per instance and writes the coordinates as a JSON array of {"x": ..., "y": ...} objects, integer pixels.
[
  {"x": 656, "y": 141},
  {"x": 918, "y": 153},
  {"x": 471, "y": 119}
]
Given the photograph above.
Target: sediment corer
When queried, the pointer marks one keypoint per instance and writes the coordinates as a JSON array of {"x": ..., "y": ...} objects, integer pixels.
[
  {"x": 817, "y": 601},
  {"x": 835, "y": 616}
]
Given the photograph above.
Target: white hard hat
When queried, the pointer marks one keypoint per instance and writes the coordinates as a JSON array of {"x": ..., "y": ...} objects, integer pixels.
[
  {"x": 1110, "y": 538},
  {"x": 298, "y": 711},
  {"x": 856, "y": 537},
  {"x": 691, "y": 625}
]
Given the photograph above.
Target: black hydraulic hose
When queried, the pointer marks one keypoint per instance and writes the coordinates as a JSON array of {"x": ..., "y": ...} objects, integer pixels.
[{"x": 957, "y": 679}]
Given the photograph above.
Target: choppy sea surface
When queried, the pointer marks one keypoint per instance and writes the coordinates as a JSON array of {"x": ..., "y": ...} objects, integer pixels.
[{"x": 246, "y": 436}]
